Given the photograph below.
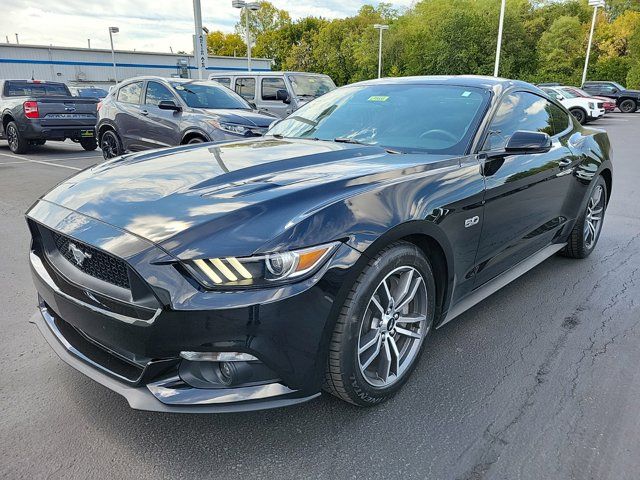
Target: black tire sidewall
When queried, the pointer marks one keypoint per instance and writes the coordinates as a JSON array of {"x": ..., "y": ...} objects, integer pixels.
[
  {"x": 89, "y": 144},
  {"x": 630, "y": 102},
  {"x": 401, "y": 254}
]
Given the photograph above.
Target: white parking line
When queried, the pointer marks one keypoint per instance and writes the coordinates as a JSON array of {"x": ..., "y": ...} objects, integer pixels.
[
  {"x": 24, "y": 159},
  {"x": 73, "y": 158}
]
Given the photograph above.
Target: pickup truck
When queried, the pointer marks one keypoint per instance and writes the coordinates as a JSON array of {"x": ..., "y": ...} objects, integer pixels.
[
  {"x": 35, "y": 111},
  {"x": 627, "y": 101}
]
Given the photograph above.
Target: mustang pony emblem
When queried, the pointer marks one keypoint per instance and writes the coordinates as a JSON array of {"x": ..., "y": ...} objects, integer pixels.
[{"x": 78, "y": 255}]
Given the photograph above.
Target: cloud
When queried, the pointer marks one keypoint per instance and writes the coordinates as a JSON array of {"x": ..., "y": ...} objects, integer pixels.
[{"x": 145, "y": 25}]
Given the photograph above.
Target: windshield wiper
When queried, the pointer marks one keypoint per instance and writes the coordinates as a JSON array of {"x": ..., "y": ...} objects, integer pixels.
[{"x": 358, "y": 142}]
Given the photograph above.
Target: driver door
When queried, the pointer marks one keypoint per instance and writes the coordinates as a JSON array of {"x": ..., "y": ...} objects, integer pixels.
[
  {"x": 525, "y": 194},
  {"x": 162, "y": 126}
]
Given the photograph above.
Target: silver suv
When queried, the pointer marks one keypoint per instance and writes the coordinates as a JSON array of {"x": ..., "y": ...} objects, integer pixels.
[
  {"x": 277, "y": 93},
  {"x": 152, "y": 112}
]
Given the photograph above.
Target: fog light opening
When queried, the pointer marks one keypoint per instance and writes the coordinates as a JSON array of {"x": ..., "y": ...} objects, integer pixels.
[
  {"x": 218, "y": 356},
  {"x": 227, "y": 372}
]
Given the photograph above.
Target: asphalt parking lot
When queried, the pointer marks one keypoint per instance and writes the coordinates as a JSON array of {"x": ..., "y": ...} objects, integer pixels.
[{"x": 540, "y": 381}]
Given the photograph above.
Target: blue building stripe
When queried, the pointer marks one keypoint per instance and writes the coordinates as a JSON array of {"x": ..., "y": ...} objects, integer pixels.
[{"x": 124, "y": 65}]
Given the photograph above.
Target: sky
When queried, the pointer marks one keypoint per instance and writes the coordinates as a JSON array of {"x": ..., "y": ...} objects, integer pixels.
[{"x": 145, "y": 25}]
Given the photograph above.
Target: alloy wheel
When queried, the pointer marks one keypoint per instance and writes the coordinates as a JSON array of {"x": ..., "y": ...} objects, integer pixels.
[
  {"x": 12, "y": 138},
  {"x": 393, "y": 327},
  {"x": 109, "y": 146},
  {"x": 579, "y": 114},
  {"x": 593, "y": 219}
]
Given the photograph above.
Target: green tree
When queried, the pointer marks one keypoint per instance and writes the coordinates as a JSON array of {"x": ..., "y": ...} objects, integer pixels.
[
  {"x": 561, "y": 51},
  {"x": 226, "y": 44},
  {"x": 267, "y": 19}
]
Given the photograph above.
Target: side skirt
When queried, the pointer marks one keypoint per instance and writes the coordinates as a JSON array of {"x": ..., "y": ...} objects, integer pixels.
[{"x": 500, "y": 281}]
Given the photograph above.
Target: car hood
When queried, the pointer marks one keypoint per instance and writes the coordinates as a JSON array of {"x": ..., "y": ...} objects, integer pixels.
[
  {"x": 242, "y": 117},
  {"x": 251, "y": 190}
]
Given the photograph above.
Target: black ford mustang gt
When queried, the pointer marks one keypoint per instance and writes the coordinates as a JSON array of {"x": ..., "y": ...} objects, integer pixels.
[{"x": 253, "y": 274}]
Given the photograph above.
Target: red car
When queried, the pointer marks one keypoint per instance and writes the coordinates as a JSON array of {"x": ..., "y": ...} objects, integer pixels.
[{"x": 609, "y": 105}]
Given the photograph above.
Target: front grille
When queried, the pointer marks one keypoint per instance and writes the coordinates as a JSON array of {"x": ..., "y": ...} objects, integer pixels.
[{"x": 93, "y": 261}]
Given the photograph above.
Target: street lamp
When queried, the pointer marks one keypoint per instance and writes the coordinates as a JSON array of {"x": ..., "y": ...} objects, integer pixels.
[
  {"x": 595, "y": 4},
  {"x": 253, "y": 6},
  {"x": 113, "y": 30},
  {"x": 380, "y": 28},
  {"x": 500, "y": 25}
]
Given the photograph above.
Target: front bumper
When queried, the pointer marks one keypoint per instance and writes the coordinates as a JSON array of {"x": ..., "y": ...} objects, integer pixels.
[
  {"x": 596, "y": 113},
  {"x": 178, "y": 398},
  {"x": 134, "y": 349}
]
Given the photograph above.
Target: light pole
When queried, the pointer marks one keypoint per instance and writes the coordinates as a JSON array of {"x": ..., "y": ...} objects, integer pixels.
[
  {"x": 595, "y": 4},
  {"x": 499, "y": 47},
  {"x": 253, "y": 6},
  {"x": 113, "y": 30},
  {"x": 380, "y": 28}
]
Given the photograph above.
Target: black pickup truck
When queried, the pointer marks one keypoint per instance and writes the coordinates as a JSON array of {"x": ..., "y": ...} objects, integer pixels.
[
  {"x": 35, "y": 111},
  {"x": 627, "y": 101}
]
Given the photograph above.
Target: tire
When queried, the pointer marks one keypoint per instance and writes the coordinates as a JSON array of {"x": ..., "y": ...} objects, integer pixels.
[
  {"x": 110, "y": 145},
  {"x": 195, "y": 140},
  {"x": 580, "y": 115},
  {"x": 89, "y": 144},
  {"x": 17, "y": 143},
  {"x": 354, "y": 373},
  {"x": 586, "y": 231},
  {"x": 628, "y": 106}
]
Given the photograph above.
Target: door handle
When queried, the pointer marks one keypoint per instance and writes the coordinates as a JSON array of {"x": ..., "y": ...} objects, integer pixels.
[
  {"x": 144, "y": 112},
  {"x": 565, "y": 162}
]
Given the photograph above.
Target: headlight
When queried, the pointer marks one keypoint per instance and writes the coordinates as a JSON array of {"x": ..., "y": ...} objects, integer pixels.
[
  {"x": 230, "y": 127},
  {"x": 592, "y": 105},
  {"x": 260, "y": 271}
]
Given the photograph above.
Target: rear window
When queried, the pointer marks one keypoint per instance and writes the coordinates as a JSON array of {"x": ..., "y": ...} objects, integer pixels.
[
  {"x": 30, "y": 89},
  {"x": 223, "y": 81}
]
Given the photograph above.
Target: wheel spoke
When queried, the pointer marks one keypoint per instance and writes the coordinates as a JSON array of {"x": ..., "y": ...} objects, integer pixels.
[
  {"x": 387, "y": 292},
  {"x": 384, "y": 365},
  {"x": 370, "y": 340},
  {"x": 411, "y": 295},
  {"x": 375, "y": 301},
  {"x": 404, "y": 285},
  {"x": 597, "y": 195},
  {"x": 414, "y": 318},
  {"x": 596, "y": 211},
  {"x": 407, "y": 332},
  {"x": 374, "y": 354},
  {"x": 396, "y": 355}
]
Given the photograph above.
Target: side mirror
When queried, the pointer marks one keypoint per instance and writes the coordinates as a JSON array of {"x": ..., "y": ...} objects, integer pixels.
[
  {"x": 283, "y": 96},
  {"x": 523, "y": 143},
  {"x": 169, "y": 105},
  {"x": 528, "y": 142}
]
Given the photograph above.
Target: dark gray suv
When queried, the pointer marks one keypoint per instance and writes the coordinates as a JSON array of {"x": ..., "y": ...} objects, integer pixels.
[{"x": 153, "y": 112}]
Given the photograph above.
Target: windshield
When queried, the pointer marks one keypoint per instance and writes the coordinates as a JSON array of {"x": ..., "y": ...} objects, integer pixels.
[
  {"x": 28, "y": 89},
  {"x": 92, "y": 92},
  {"x": 618, "y": 86},
  {"x": 569, "y": 94},
  {"x": 403, "y": 117},
  {"x": 311, "y": 85},
  {"x": 209, "y": 95}
]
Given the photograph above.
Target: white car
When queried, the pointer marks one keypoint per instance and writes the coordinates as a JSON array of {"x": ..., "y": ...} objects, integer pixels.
[{"x": 583, "y": 108}]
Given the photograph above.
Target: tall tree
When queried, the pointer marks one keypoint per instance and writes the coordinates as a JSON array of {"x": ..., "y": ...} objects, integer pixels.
[{"x": 226, "y": 44}]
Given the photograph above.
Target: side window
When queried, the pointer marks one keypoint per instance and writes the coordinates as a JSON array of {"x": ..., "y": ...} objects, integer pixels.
[
  {"x": 560, "y": 119},
  {"x": 270, "y": 86},
  {"x": 130, "y": 93},
  {"x": 608, "y": 89},
  {"x": 246, "y": 88},
  {"x": 519, "y": 111},
  {"x": 226, "y": 81},
  {"x": 157, "y": 93}
]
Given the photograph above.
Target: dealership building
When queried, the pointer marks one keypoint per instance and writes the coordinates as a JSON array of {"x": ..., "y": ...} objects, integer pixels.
[{"x": 92, "y": 66}]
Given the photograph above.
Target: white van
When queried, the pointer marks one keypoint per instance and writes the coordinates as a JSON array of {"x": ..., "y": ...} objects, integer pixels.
[{"x": 278, "y": 93}]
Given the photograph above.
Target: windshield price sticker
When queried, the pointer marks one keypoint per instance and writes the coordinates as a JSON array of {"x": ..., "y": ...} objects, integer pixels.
[{"x": 378, "y": 98}]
